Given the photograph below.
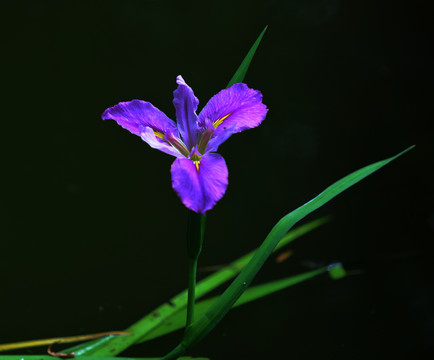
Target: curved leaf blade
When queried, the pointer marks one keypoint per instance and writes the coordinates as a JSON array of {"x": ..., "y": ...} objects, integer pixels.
[
  {"x": 218, "y": 310},
  {"x": 242, "y": 70},
  {"x": 112, "y": 345},
  {"x": 177, "y": 321}
]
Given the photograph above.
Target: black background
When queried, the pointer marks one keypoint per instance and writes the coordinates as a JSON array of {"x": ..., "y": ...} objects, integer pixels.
[{"x": 92, "y": 234}]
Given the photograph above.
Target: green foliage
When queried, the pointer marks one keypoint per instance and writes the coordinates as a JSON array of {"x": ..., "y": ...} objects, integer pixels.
[
  {"x": 177, "y": 321},
  {"x": 224, "y": 303},
  {"x": 113, "y": 345},
  {"x": 242, "y": 70},
  {"x": 337, "y": 271}
]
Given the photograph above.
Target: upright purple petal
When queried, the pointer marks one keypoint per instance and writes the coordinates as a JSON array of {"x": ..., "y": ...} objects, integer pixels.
[
  {"x": 186, "y": 105},
  {"x": 131, "y": 115},
  {"x": 201, "y": 185},
  {"x": 234, "y": 110}
]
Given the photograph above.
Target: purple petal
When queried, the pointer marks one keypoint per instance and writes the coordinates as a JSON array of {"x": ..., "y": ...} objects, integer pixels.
[
  {"x": 215, "y": 142},
  {"x": 234, "y": 110},
  {"x": 186, "y": 105},
  {"x": 132, "y": 115},
  {"x": 200, "y": 189},
  {"x": 148, "y": 135}
]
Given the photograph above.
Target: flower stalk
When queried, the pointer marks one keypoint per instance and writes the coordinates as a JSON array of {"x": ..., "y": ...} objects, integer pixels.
[{"x": 195, "y": 235}]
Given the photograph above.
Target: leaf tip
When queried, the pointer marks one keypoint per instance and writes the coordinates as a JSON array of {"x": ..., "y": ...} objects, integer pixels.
[{"x": 336, "y": 271}]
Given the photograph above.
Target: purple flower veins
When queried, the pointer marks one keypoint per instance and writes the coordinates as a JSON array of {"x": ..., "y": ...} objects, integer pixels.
[{"x": 199, "y": 175}]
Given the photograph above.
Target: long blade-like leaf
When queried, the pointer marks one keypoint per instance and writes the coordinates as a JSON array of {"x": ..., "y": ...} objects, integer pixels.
[
  {"x": 177, "y": 321},
  {"x": 61, "y": 340},
  {"x": 242, "y": 70},
  {"x": 111, "y": 345},
  {"x": 218, "y": 310}
]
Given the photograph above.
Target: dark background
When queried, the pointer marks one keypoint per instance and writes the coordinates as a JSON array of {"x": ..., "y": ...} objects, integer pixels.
[{"x": 92, "y": 234}]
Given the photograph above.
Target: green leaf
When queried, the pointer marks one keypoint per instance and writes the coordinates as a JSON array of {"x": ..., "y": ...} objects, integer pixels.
[
  {"x": 177, "y": 321},
  {"x": 242, "y": 70},
  {"x": 219, "y": 308},
  {"x": 113, "y": 345},
  {"x": 337, "y": 271}
]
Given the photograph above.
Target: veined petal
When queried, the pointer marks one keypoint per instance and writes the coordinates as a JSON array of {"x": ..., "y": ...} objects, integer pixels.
[
  {"x": 186, "y": 105},
  {"x": 148, "y": 135},
  {"x": 220, "y": 138},
  {"x": 131, "y": 115},
  {"x": 234, "y": 110},
  {"x": 200, "y": 185}
]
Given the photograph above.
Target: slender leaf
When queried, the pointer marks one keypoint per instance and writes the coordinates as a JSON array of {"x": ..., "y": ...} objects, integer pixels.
[
  {"x": 177, "y": 321},
  {"x": 111, "y": 345},
  {"x": 63, "y": 340},
  {"x": 337, "y": 271},
  {"x": 219, "y": 308},
  {"x": 242, "y": 70}
]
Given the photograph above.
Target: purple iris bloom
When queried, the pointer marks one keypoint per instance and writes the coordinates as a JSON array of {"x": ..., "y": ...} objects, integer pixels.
[{"x": 199, "y": 175}]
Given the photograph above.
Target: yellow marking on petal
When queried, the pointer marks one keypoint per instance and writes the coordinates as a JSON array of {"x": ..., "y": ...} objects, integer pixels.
[
  {"x": 160, "y": 135},
  {"x": 219, "y": 121},
  {"x": 196, "y": 163}
]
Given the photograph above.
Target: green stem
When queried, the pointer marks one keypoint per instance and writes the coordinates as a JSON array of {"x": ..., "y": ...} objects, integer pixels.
[
  {"x": 195, "y": 233},
  {"x": 192, "y": 270}
]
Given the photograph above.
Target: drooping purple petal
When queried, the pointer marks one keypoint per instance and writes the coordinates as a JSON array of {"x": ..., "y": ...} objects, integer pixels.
[
  {"x": 234, "y": 110},
  {"x": 133, "y": 114},
  {"x": 201, "y": 185},
  {"x": 148, "y": 135},
  {"x": 186, "y": 105}
]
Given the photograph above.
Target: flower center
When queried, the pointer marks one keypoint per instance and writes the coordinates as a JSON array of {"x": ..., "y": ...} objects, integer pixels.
[{"x": 195, "y": 156}]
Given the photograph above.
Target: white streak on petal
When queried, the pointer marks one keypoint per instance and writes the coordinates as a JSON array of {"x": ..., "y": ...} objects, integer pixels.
[{"x": 148, "y": 135}]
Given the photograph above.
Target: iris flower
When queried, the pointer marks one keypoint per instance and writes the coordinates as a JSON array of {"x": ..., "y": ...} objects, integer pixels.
[{"x": 199, "y": 174}]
